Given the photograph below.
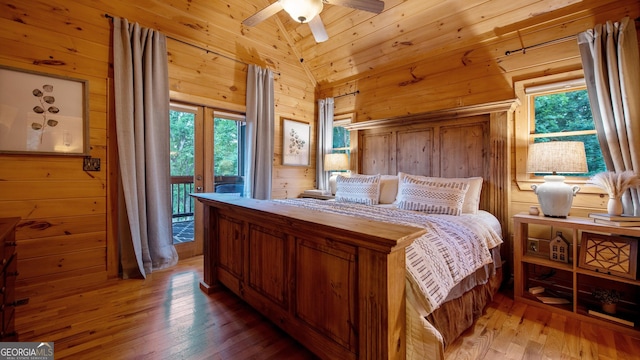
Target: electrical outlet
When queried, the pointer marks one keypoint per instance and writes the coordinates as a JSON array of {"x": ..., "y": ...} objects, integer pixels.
[
  {"x": 91, "y": 164},
  {"x": 533, "y": 245}
]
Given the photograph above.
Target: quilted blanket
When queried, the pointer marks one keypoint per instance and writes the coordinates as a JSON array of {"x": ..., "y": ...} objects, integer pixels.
[{"x": 452, "y": 248}]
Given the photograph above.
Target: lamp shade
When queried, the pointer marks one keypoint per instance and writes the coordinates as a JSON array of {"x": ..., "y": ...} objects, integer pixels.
[
  {"x": 336, "y": 162},
  {"x": 555, "y": 197},
  {"x": 557, "y": 156},
  {"x": 302, "y": 10}
]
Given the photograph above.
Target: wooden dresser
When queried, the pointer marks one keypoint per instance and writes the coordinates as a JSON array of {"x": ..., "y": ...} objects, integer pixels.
[{"x": 8, "y": 278}]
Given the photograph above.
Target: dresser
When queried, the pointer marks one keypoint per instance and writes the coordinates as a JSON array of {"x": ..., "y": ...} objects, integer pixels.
[{"x": 8, "y": 278}]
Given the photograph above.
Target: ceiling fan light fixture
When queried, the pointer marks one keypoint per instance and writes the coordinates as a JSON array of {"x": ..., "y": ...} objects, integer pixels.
[{"x": 302, "y": 10}]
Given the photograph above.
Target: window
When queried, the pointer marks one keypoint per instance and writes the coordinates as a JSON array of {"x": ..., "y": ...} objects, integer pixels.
[
  {"x": 341, "y": 139},
  {"x": 556, "y": 111},
  {"x": 182, "y": 123},
  {"x": 228, "y": 152}
]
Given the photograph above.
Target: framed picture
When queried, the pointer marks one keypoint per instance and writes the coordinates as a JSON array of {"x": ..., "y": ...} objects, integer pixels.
[
  {"x": 295, "y": 143},
  {"x": 609, "y": 254},
  {"x": 43, "y": 114}
]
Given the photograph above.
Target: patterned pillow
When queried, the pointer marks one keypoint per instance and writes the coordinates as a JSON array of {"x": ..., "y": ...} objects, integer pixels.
[
  {"x": 431, "y": 195},
  {"x": 362, "y": 189},
  {"x": 471, "y": 203}
]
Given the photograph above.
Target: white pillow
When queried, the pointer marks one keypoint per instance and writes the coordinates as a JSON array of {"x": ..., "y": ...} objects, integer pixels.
[
  {"x": 472, "y": 198},
  {"x": 362, "y": 189},
  {"x": 471, "y": 203},
  {"x": 388, "y": 189},
  {"x": 431, "y": 195}
]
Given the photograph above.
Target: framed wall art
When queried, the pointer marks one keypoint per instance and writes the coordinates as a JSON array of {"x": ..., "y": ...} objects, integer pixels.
[
  {"x": 43, "y": 113},
  {"x": 295, "y": 143},
  {"x": 609, "y": 254}
]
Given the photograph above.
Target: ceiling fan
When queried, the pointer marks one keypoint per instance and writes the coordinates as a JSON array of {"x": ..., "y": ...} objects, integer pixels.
[{"x": 307, "y": 11}]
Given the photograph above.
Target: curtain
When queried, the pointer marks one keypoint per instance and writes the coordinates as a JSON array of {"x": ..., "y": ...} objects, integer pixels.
[
  {"x": 259, "y": 133},
  {"x": 141, "y": 88},
  {"x": 325, "y": 141},
  {"x": 612, "y": 72}
]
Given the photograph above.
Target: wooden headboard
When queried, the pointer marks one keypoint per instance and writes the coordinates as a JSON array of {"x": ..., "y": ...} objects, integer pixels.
[{"x": 462, "y": 142}]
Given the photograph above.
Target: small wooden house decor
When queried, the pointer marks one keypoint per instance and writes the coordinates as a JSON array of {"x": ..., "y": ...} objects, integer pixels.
[{"x": 559, "y": 248}]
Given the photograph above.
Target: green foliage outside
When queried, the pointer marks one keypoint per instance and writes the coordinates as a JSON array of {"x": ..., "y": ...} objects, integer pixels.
[
  {"x": 564, "y": 112},
  {"x": 341, "y": 140},
  {"x": 182, "y": 145},
  {"x": 181, "y": 142},
  {"x": 225, "y": 147}
]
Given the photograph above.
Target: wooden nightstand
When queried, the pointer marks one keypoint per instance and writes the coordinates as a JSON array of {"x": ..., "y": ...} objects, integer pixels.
[{"x": 568, "y": 280}]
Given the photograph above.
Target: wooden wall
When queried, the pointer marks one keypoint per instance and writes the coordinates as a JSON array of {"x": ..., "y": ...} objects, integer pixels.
[
  {"x": 65, "y": 237},
  {"x": 482, "y": 73}
]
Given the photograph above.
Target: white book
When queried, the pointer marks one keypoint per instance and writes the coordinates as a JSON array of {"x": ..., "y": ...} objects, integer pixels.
[
  {"x": 604, "y": 216},
  {"x": 617, "y": 223}
]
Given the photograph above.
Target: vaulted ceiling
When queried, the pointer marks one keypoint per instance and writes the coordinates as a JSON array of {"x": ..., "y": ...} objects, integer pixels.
[{"x": 409, "y": 31}]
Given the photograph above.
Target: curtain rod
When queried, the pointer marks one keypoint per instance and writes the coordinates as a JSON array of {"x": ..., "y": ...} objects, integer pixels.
[
  {"x": 351, "y": 93},
  {"x": 525, "y": 48},
  {"x": 200, "y": 47}
]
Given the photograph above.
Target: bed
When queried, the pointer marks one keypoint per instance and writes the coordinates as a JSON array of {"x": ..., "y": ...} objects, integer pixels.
[{"x": 340, "y": 276}]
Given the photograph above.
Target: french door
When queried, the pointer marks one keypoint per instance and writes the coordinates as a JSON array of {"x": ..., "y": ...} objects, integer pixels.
[
  {"x": 187, "y": 176},
  {"x": 207, "y": 155}
]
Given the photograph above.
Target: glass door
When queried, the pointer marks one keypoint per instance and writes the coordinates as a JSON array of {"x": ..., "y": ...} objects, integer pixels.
[
  {"x": 187, "y": 176},
  {"x": 228, "y": 152}
]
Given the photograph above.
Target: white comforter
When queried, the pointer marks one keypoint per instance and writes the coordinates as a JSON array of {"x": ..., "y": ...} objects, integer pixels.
[{"x": 453, "y": 247}]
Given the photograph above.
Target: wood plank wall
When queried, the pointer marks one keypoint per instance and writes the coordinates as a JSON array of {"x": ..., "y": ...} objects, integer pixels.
[
  {"x": 67, "y": 213},
  {"x": 65, "y": 237},
  {"x": 480, "y": 74}
]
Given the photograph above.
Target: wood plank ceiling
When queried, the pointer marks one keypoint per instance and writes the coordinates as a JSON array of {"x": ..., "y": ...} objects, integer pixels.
[{"x": 409, "y": 31}]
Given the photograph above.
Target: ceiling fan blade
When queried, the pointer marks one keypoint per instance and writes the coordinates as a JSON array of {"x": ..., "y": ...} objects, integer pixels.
[
  {"x": 374, "y": 6},
  {"x": 263, "y": 14},
  {"x": 317, "y": 29}
]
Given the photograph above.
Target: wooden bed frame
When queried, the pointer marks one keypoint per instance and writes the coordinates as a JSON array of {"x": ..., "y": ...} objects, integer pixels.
[
  {"x": 333, "y": 283},
  {"x": 337, "y": 284}
]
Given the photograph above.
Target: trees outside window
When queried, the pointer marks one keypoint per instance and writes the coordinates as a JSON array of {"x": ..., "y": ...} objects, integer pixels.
[{"x": 565, "y": 115}]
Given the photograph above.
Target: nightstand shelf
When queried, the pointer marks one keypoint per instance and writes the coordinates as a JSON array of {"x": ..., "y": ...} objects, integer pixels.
[
  {"x": 546, "y": 262},
  {"x": 568, "y": 280}
]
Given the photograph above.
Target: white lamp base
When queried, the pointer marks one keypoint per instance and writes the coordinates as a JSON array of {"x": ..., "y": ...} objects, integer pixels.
[{"x": 555, "y": 197}]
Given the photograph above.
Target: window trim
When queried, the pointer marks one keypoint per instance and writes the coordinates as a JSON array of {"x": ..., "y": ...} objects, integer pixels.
[{"x": 522, "y": 126}]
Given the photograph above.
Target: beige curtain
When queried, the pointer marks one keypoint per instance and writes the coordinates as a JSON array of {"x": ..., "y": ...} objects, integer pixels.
[
  {"x": 260, "y": 121},
  {"x": 141, "y": 88},
  {"x": 325, "y": 141},
  {"x": 612, "y": 72}
]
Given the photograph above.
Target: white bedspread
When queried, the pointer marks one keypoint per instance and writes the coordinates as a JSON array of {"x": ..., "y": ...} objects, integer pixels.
[{"x": 453, "y": 247}]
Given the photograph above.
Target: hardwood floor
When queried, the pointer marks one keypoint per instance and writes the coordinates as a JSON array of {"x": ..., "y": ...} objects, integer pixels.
[{"x": 166, "y": 316}]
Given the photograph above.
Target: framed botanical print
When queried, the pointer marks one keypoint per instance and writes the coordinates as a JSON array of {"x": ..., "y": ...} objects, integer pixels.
[
  {"x": 295, "y": 143},
  {"x": 43, "y": 113}
]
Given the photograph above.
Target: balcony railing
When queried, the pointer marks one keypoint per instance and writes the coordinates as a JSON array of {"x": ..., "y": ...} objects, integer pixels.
[{"x": 182, "y": 204}]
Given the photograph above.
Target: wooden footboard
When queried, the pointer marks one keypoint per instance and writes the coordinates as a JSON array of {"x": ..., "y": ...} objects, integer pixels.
[{"x": 334, "y": 283}]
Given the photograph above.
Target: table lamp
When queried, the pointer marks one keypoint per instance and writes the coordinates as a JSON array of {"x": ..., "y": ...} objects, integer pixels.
[
  {"x": 335, "y": 162},
  {"x": 555, "y": 197}
]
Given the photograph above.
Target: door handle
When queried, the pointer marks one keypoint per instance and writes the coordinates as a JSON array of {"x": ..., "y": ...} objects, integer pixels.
[{"x": 199, "y": 189}]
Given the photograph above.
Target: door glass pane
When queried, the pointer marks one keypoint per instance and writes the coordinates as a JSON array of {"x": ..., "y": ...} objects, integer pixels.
[
  {"x": 182, "y": 140},
  {"x": 228, "y": 154}
]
